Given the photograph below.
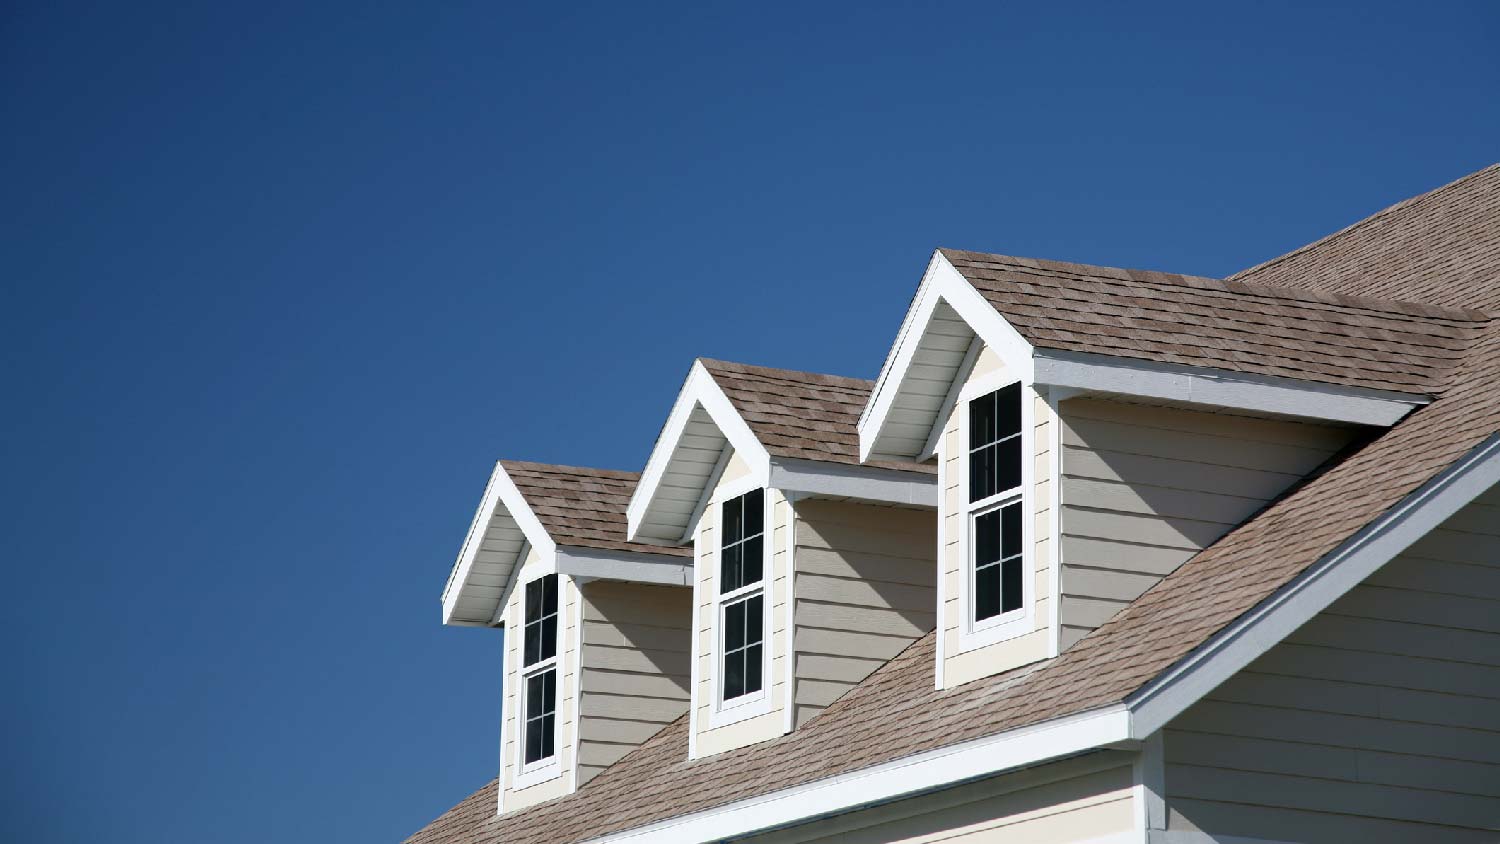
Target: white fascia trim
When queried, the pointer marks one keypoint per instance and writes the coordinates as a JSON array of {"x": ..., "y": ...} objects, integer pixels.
[
  {"x": 698, "y": 390},
  {"x": 867, "y": 483},
  {"x": 1222, "y": 388},
  {"x": 942, "y": 282},
  {"x": 1163, "y": 699},
  {"x": 624, "y": 565},
  {"x": 499, "y": 492},
  {"x": 922, "y": 772}
]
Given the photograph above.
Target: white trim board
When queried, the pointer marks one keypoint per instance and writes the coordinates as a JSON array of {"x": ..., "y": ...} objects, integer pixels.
[
  {"x": 500, "y": 492},
  {"x": 865, "y": 483},
  {"x": 1325, "y": 581},
  {"x": 625, "y": 565},
  {"x": 1222, "y": 388},
  {"x": 920, "y": 772}
]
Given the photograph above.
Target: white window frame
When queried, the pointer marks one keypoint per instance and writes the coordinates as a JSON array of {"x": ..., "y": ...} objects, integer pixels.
[
  {"x": 1018, "y": 622},
  {"x": 548, "y": 767},
  {"x": 746, "y": 706}
]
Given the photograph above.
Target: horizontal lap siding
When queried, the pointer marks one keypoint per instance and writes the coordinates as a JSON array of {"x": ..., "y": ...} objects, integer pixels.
[
  {"x": 1144, "y": 488},
  {"x": 1078, "y": 800},
  {"x": 866, "y": 587},
  {"x": 637, "y": 646},
  {"x": 1377, "y": 721}
]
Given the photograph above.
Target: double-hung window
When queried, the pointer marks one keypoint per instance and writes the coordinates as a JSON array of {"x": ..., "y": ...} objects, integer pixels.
[
  {"x": 539, "y": 672},
  {"x": 742, "y": 596},
  {"x": 997, "y": 568}
]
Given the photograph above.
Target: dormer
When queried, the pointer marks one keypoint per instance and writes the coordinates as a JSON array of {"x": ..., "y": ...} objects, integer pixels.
[
  {"x": 1094, "y": 428},
  {"x": 597, "y": 628},
  {"x": 810, "y": 568}
]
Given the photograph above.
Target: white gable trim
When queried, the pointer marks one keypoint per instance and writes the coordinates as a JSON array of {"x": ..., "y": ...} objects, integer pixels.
[
  {"x": 1222, "y": 388},
  {"x": 864, "y": 483},
  {"x": 699, "y": 390},
  {"x": 908, "y": 775},
  {"x": 635, "y": 567},
  {"x": 1327, "y": 580},
  {"x": 942, "y": 282},
  {"x": 499, "y": 493}
]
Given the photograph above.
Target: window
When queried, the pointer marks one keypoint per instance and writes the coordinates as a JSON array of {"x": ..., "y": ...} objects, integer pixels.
[
  {"x": 997, "y": 574},
  {"x": 539, "y": 667},
  {"x": 742, "y": 594}
]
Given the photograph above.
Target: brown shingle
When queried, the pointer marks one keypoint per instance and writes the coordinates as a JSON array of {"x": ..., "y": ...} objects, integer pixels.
[{"x": 580, "y": 507}]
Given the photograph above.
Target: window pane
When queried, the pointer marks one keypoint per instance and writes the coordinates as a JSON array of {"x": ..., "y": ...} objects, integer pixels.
[
  {"x": 548, "y": 646},
  {"x": 986, "y": 538},
  {"x": 549, "y": 691},
  {"x": 754, "y": 558},
  {"x": 982, "y": 474},
  {"x": 534, "y": 695},
  {"x": 1007, "y": 465},
  {"x": 733, "y": 522},
  {"x": 982, "y": 421},
  {"x": 734, "y": 674},
  {"x": 533, "y": 742},
  {"x": 754, "y": 504},
  {"x": 1007, "y": 411},
  {"x": 734, "y": 626},
  {"x": 986, "y": 592},
  {"x": 549, "y": 595},
  {"x": 534, "y": 600},
  {"x": 752, "y": 669},
  {"x": 1010, "y": 587},
  {"x": 731, "y": 569},
  {"x": 545, "y": 726},
  {"x": 1010, "y": 530},
  {"x": 532, "y": 646},
  {"x": 754, "y": 617}
]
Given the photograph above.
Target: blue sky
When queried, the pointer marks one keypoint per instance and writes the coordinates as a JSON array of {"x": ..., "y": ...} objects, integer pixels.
[{"x": 282, "y": 280}]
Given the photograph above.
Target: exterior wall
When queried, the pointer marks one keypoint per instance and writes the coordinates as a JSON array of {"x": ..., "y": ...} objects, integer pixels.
[
  {"x": 712, "y": 731},
  {"x": 865, "y": 588},
  {"x": 1144, "y": 488},
  {"x": 1079, "y": 800},
  {"x": 1378, "y": 721},
  {"x": 960, "y": 660},
  {"x": 512, "y": 798},
  {"x": 637, "y": 642}
]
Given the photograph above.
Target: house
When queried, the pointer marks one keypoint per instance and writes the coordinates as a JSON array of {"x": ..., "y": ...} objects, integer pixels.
[{"x": 1101, "y": 556}]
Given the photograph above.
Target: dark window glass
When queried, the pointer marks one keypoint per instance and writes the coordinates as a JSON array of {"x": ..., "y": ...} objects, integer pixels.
[
  {"x": 541, "y": 714},
  {"x": 998, "y": 564},
  {"x": 995, "y": 443},
  {"x": 741, "y": 547},
  {"x": 743, "y": 639},
  {"x": 540, "y": 638}
]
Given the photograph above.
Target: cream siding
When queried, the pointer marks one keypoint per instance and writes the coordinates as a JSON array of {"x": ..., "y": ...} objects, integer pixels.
[
  {"x": 514, "y": 798},
  {"x": 1079, "y": 800},
  {"x": 713, "y": 731},
  {"x": 1144, "y": 488},
  {"x": 1378, "y": 721},
  {"x": 962, "y": 660},
  {"x": 637, "y": 642},
  {"x": 865, "y": 589}
]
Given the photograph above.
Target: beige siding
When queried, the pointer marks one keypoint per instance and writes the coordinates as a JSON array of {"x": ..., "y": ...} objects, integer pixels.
[
  {"x": 1144, "y": 488},
  {"x": 712, "y": 733},
  {"x": 963, "y": 661},
  {"x": 637, "y": 642},
  {"x": 1078, "y": 800},
  {"x": 866, "y": 587},
  {"x": 567, "y": 652},
  {"x": 1378, "y": 721}
]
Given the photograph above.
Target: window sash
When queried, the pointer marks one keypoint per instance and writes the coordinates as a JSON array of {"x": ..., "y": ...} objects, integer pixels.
[
  {"x": 742, "y": 645},
  {"x": 998, "y": 570},
  {"x": 742, "y": 541},
  {"x": 539, "y": 637},
  {"x": 539, "y": 716}
]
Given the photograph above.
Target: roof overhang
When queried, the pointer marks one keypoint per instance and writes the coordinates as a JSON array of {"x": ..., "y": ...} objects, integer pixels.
[
  {"x": 701, "y": 433},
  {"x": 600, "y": 564},
  {"x": 949, "y": 319},
  {"x": 1130, "y": 725},
  {"x": 502, "y": 528}
]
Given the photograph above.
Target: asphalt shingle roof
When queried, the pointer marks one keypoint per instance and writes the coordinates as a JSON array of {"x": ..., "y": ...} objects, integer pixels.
[{"x": 582, "y": 508}]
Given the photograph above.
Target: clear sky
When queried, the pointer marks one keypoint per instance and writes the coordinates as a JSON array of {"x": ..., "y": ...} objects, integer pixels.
[{"x": 281, "y": 280}]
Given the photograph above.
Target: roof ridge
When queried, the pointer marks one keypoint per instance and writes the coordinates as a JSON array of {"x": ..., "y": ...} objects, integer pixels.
[
  {"x": 1351, "y": 228},
  {"x": 776, "y": 372},
  {"x": 562, "y": 468}
]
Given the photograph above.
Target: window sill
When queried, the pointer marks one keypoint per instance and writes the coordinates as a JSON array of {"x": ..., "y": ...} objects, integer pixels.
[
  {"x": 537, "y": 773},
  {"x": 993, "y": 631},
  {"x": 740, "y": 709}
]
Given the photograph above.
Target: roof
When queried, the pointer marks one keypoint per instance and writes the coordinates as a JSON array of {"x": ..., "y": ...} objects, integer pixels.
[
  {"x": 802, "y": 415},
  {"x": 1331, "y": 338},
  {"x": 895, "y": 712},
  {"x": 582, "y": 508},
  {"x": 1442, "y": 248}
]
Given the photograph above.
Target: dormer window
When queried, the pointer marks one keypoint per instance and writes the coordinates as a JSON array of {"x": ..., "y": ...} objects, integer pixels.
[
  {"x": 742, "y": 599},
  {"x": 539, "y": 673},
  {"x": 997, "y": 568}
]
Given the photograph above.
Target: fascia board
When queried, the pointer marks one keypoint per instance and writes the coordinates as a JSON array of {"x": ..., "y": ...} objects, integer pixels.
[
  {"x": 700, "y": 390},
  {"x": 1163, "y": 699},
  {"x": 942, "y": 282},
  {"x": 909, "y": 775},
  {"x": 500, "y": 492},
  {"x": 624, "y": 565},
  {"x": 1222, "y": 388},
  {"x": 866, "y": 483}
]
